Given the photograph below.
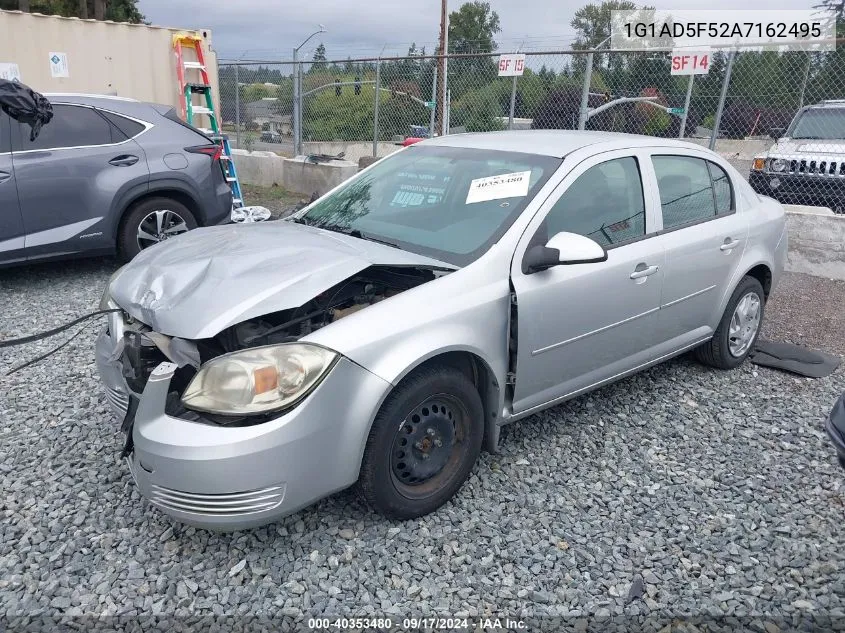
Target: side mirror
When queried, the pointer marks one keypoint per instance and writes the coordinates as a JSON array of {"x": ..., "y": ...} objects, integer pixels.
[
  {"x": 563, "y": 248},
  {"x": 776, "y": 132}
]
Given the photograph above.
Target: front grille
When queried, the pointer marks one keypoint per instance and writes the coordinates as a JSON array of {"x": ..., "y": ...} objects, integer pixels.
[
  {"x": 117, "y": 400},
  {"x": 815, "y": 168},
  {"x": 233, "y": 504}
]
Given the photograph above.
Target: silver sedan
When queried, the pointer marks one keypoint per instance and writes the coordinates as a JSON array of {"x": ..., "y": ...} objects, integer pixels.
[{"x": 385, "y": 333}]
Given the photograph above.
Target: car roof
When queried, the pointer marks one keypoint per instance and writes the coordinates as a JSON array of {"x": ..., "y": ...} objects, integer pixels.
[
  {"x": 121, "y": 105},
  {"x": 557, "y": 143},
  {"x": 832, "y": 103}
]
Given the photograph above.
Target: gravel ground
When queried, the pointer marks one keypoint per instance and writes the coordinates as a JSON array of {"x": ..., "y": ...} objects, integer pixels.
[{"x": 709, "y": 493}]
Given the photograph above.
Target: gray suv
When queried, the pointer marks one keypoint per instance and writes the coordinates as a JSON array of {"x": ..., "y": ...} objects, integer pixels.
[{"x": 106, "y": 175}]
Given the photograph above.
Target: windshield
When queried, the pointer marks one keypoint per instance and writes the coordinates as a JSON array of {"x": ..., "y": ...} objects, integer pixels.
[
  {"x": 448, "y": 203},
  {"x": 819, "y": 123}
]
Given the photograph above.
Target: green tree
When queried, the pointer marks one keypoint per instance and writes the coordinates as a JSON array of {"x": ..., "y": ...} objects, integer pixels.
[
  {"x": 480, "y": 110},
  {"x": 255, "y": 92},
  {"x": 592, "y": 25},
  {"x": 116, "y": 10},
  {"x": 472, "y": 27},
  {"x": 592, "y": 22},
  {"x": 471, "y": 30}
]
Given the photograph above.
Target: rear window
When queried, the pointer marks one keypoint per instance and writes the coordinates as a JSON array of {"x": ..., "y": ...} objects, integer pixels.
[
  {"x": 171, "y": 114},
  {"x": 127, "y": 127}
]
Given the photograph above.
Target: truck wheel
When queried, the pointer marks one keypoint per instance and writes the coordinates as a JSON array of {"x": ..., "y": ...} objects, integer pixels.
[
  {"x": 150, "y": 222},
  {"x": 423, "y": 443}
]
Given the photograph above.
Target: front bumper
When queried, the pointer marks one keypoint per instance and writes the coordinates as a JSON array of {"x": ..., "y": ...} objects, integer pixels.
[
  {"x": 230, "y": 478},
  {"x": 792, "y": 188}
]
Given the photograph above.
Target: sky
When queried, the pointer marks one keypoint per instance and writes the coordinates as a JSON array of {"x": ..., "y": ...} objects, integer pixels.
[{"x": 269, "y": 29}]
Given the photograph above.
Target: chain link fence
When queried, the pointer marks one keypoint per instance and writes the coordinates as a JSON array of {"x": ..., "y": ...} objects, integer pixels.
[{"x": 784, "y": 109}]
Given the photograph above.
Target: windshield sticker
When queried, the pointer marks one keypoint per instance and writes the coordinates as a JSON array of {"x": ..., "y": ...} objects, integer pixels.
[{"x": 497, "y": 187}]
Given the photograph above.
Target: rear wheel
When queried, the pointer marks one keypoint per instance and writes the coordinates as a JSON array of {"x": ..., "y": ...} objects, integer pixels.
[
  {"x": 152, "y": 221},
  {"x": 738, "y": 330},
  {"x": 423, "y": 443}
]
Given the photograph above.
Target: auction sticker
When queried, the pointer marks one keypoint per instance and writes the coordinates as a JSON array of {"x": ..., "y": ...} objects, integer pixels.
[{"x": 497, "y": 187}]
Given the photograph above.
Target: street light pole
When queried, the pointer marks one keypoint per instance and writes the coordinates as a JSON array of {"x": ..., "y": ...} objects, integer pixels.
[{"x": 297, "y": 94}]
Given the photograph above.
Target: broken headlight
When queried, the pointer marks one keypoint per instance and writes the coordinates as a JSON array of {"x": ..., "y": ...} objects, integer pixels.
[
  {"x": 106, "y": 302},
  {"x": 258, "y": 380}
]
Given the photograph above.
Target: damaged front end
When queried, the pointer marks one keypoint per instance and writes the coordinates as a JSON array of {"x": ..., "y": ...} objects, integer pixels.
[{"x": 128, "y": 350}]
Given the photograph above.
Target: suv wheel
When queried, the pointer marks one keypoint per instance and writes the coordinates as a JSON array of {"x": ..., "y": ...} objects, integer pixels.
[{"x": 152, "y": 221}]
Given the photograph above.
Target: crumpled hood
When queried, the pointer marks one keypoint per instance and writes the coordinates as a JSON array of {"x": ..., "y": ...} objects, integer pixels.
[
  {"x": 791, "y": 148},
  {"x": 201, "y": 282}
]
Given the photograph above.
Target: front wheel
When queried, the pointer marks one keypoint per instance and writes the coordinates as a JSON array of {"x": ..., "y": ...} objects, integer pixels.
[
  {"x": 152, "y": 221},
  {"x": 738, "y": 330},
  {"x": 423, "y": 443}
]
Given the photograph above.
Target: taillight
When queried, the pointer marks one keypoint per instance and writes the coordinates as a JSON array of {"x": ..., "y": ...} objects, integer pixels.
[{"x": 212, "y": 151}]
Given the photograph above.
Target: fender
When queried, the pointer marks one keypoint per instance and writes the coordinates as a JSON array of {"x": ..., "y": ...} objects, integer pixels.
[{"x": 128, "y": 197}]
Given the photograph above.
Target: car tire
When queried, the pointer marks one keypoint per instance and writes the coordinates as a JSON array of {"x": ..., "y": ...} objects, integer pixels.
[
  {"x": 724, "y": 350},
  {"x": 130, "y": 243},
  {"x": 436, "y": 412}
]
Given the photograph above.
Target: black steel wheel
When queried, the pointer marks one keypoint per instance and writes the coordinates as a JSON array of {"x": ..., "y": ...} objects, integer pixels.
[{"x": 423, "y": 444}]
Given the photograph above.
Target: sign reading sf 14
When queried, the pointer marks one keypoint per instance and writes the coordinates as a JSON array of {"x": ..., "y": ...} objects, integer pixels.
[
  {"x": 511, "y": 65},
  {"x": 690, "y": 62}
]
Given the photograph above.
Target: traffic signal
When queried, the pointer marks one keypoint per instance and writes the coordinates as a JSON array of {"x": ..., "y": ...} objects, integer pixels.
[
  {"x": 357, "y": 86},
  {"x": 337, "y": 87}
]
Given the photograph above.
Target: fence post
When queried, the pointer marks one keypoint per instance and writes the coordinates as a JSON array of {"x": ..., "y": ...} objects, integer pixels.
[
  {"x": 448, "y": 111},
  {"x": 237, "y": 108},
  {"x": 804, "y": 81},
  {"x": 296, "y": 131},
  {"x": 686, "y": 108},
  {"x": 375, "y": 110},
  {"x": 715, "y": 133},
  {"x": 434, "y": 101},
  {"x": 585, "y": 92},
  {"x": 513, "y": 103}
]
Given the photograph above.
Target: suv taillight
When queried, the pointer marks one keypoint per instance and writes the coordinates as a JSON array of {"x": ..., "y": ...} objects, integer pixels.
[{"x": 213, "y": 151}]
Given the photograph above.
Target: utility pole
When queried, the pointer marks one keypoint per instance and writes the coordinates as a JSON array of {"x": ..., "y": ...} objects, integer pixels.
[{"x": 441, "y": 66}]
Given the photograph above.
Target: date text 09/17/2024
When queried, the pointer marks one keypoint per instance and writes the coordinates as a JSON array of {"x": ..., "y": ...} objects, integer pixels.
[{"x": 416, "y": 624}]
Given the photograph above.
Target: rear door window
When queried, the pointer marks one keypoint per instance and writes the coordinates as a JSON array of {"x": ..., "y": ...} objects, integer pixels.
[
  {"x": 127, "y": 127},
  {"x": 686, "y": 192},
  {"x": 71, "y": 126},
  {"x": 722, "y": 190}
]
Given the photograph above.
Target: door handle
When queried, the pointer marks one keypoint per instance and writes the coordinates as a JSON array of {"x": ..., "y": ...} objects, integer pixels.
[
  {"x": 4, "y": 176},
  {"x": 729, "y": 244},
  {"x": 644, "y": 270},
  {"x": 124, "y": 160}
]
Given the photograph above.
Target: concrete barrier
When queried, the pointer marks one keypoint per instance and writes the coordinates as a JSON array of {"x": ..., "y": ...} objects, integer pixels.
[
  {"x": 353, "y": 150},
  {"x": 266, "y": 169},
  {"x": 816, "y": 242},
  {"x": 259, "y": 168},
  {"x": 738, "y": 152},
  {"x": 303, "y": 177}
]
